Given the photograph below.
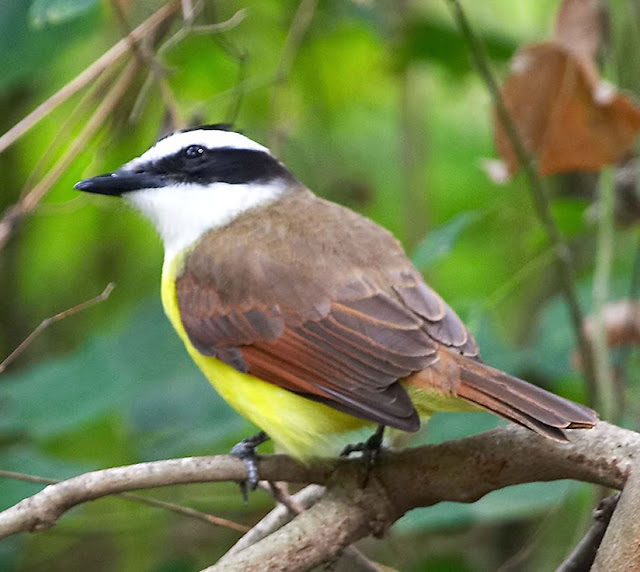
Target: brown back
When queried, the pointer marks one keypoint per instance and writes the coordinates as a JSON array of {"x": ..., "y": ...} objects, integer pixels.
[{"x": 315, "y": 298}]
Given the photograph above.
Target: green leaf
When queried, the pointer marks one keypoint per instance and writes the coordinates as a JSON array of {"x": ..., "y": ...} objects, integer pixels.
[
  {"x": 440, "y": 241},
  {"x": 45, "y": 13},
  {"x": 438, "y": 41},
  {"x": 29, "y": 55}
]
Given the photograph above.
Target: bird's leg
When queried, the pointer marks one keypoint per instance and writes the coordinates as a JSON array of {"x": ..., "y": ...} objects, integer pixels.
[
  {"x": 245, "y": 450},
  {"x": 370, "y": 450}
]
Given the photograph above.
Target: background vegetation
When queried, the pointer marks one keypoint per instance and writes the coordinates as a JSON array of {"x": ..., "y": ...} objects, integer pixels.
[{"x": 372, "y": 104}]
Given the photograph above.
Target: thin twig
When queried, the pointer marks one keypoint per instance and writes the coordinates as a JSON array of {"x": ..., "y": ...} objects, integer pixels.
[
  {"x": 53, "y": 319},
  {"x": 279, "y": 493},
  {"x": 294, "y": 506},
  {"x": 76, "y": 115},
  {"x": 299, "y": 25},
  {"x": 145, "y": 57},
  {"x": 30, "y": 201},
  {"x": 186, "y": 511},
  {"x": 540, "y": 196},
  {"x": 277, "y": 518},
  {"x": 188, "y": 13},
  {"x": 173, "y": 41},
  {"x": 582, "y": 557},
  {"x": 86, "y": 76},
  {"x": 218, "y": 28},
  {"x": 157, "y": 503},
  {"x": 602, "y": 274}
]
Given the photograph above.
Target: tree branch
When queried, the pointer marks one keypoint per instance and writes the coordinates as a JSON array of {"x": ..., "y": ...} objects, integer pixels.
[
  {"x": 460, "y": 471},
  {"x": 156, "y": 503},
  {"x": 276, "y": 519},
  {"x": 620, "y": 549},
  {"x": 94, "y": 70},
  {"x": 584, "y": 553},
  {"x": 42, "y": 510}
]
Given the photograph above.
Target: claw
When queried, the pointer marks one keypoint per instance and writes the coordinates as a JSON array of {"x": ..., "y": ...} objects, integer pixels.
[
  {"x": 370, "y": 451},
  {"x": 245, "y": 450}
]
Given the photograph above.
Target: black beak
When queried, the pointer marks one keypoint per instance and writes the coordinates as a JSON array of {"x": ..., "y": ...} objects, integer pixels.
[{"x": 119, "y": 182}]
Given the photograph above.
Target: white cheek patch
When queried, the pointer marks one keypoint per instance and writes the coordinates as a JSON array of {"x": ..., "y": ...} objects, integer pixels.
[
  {"x": 211, "y": 139},
  {"x": 182, "y": 213}
]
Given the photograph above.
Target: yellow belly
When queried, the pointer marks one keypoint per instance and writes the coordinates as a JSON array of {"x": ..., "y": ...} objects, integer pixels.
[{"x": 301, "y": 426}]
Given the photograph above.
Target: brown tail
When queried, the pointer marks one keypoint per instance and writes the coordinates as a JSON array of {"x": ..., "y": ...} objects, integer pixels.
[
  {"x": 521, "y": 402},
  {"x": 507, "y": 396}
]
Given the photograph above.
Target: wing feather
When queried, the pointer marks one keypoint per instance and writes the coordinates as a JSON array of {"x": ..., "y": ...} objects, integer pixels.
[{"x": 299, "y": 314}]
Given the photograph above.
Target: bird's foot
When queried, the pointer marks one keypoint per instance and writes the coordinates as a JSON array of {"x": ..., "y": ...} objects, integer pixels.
[
  {"x": 245, "y": 450},
  {"x": 370, "y": 450}
]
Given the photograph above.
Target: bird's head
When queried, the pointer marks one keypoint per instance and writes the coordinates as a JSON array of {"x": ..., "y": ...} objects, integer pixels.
[{"x": 195, "y": 180}]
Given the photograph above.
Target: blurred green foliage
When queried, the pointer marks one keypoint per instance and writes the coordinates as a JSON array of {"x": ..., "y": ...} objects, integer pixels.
[{"x": 112, "y": 385}]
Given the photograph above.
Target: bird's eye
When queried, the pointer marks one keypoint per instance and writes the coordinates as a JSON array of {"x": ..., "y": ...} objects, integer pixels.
[{"x": 194, "y": 151}]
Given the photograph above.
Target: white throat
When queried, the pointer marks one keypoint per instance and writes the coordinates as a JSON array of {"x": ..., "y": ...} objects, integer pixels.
[{"x": 183, "y": 213}]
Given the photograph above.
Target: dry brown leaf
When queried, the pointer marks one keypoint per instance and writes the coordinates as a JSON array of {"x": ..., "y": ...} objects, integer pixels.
[{"x": 567, "y": 117}]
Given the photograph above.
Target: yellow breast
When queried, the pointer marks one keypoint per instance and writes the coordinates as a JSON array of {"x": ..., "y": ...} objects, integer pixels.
[{"x": 302, "y": 427}]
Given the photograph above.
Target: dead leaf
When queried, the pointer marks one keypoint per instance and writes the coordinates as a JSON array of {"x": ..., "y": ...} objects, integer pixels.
[{"x": 568, "y": 118}]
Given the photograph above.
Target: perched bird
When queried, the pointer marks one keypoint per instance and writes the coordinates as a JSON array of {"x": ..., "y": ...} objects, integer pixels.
[{"x": 306, "y": 317}]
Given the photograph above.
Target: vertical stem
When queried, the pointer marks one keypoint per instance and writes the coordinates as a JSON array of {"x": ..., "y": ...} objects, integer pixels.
[
  {"x": 299, "y": 26},
  {"x": 540, "y": 197},
  {"x": 413, "y": 188},
  {"x": 410, "y": 133},
  {"x": 604, "y": 257}
]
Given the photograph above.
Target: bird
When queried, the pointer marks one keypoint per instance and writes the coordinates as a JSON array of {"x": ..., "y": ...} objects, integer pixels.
[{"x": 308, "y": 318}]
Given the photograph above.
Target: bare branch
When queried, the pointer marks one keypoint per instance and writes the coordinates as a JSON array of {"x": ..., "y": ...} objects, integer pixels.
[
  {"x": 186, "y": 511},
  {"x": 279, "y": 492},
  {"x": 95, "y": 69},
  {"x": 42, "y": 510},
  {"x": 174, "y": 40},
  {"x": 76, "y": 116},
  {"x": 277, "y": 518},
  {"x": 30, "y": 201},
  {"x": 52, "y": 319},
  {"x": 294, "y": 507},
  {"x": 620, "y": 549},
  {"x": 460, "y": 471},
  {"x": 540, "y": 196},
  {"x": 157, "y": 503},
  {"x": 584, "y": 554},
  {"x": 320, "y": 534},
  {"x": 146, "y": 57}
]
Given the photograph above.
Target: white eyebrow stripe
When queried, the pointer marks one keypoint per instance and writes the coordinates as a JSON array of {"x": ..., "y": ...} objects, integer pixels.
[{"x": 211, "y": 139}]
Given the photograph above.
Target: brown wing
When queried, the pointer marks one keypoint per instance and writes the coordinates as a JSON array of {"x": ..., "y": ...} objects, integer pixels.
[{"x": 339, "y": 317}]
